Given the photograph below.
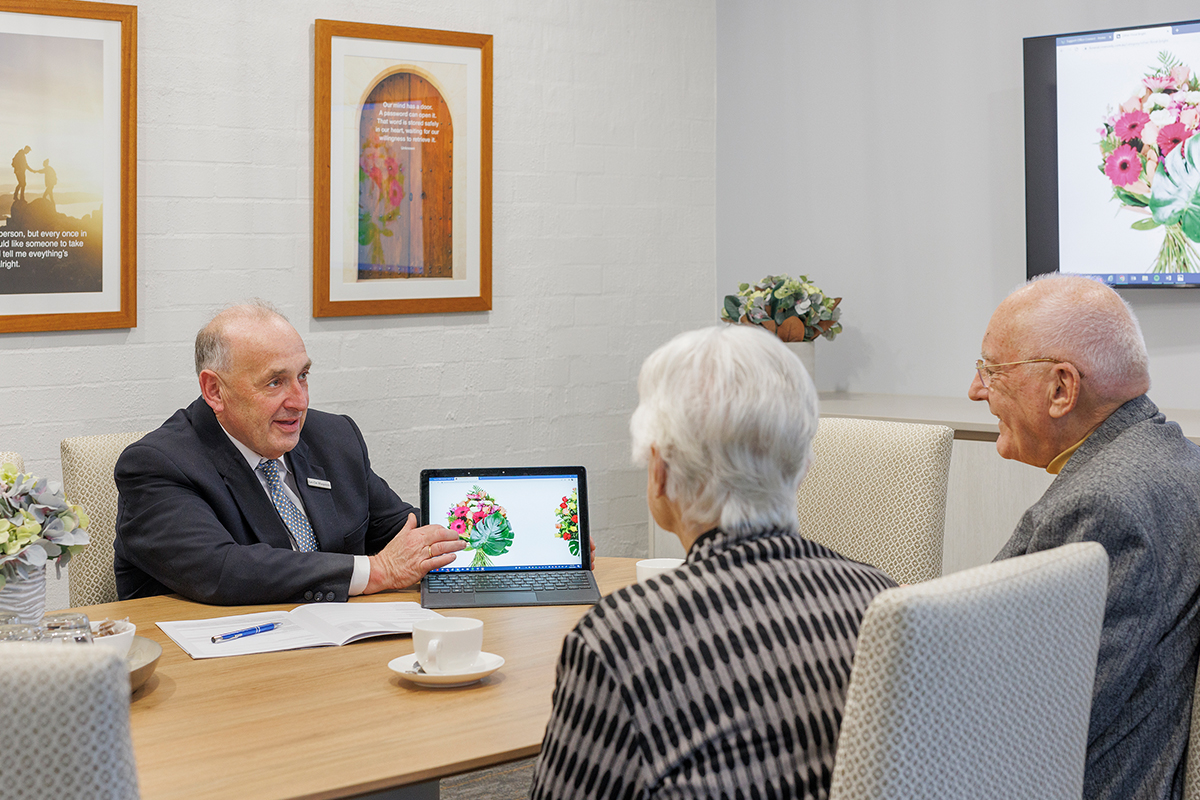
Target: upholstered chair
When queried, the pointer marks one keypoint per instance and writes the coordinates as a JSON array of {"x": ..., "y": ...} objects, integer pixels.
[
  {"x": 978, "y": 684},
  {"x": 876, "y": 492},
  {"x": 87, "y": 467}
]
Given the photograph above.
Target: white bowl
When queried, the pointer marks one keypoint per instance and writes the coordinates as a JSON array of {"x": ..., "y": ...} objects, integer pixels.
[{"x": 118, "y": 641}]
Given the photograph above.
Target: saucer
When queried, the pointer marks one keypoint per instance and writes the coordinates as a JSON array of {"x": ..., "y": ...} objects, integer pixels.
[{"x": 485, "y": 665}]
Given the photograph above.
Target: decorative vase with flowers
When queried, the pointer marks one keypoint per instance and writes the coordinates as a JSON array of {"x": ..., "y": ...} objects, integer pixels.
[
  {"x": 794, "y": 309},
  {"x": 37, "y": 524}
]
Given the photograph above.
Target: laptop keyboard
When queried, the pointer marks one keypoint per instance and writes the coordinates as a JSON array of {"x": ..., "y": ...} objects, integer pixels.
[{"x": 457, "y": 582}]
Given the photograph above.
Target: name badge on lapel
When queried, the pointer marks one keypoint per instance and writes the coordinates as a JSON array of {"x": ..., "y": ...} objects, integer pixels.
[{"x": 318, "y": 483}]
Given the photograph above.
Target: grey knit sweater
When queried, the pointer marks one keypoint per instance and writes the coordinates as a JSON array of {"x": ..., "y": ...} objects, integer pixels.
[{"x": 1134, "y": 487}]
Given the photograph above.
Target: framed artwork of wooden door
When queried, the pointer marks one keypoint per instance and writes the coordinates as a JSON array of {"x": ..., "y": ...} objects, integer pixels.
[{"x": 402, "y": 170}]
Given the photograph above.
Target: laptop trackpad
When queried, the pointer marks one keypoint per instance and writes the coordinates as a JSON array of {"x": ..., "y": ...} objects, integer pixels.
[{"x": 502, "y": 598}]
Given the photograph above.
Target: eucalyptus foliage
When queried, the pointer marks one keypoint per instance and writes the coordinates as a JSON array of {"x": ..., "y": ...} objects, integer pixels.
[{"x": 795, "y": 310}]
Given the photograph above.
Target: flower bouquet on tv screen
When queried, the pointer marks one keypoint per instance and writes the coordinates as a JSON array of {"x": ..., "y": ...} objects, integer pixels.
[
  {"x": 1152, "y": 160},
  {"x": 482, "y": 523}
]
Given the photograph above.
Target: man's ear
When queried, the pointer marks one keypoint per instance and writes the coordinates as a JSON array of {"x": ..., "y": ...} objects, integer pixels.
[
  {"x": 1064, "y": 389},
  {"x": 212, "y": 391}
]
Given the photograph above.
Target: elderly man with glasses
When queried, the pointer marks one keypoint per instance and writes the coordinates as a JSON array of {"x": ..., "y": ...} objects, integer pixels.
[{"x": 1064, "y": 369}]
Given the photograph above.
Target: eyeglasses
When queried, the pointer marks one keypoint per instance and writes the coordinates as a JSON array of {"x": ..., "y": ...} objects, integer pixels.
[{"x": 987, "y": 371}]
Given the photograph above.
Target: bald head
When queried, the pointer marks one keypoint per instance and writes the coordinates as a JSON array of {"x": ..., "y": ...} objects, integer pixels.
[
  {"x": 1082, "y": 321},
  {"x": 213, "y": 340}
]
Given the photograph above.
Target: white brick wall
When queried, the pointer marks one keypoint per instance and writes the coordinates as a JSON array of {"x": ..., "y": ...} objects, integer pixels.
[{"x": 603, "y": 214}]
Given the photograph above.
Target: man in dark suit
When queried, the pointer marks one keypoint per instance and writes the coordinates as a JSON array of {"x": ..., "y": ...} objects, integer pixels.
[
  {"x": 247, "y": 496},
  {"x": 1065, "y": 371}
]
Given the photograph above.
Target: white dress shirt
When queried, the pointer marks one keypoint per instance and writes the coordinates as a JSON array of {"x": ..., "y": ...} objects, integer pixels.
[{"x": 362, "y": 564}]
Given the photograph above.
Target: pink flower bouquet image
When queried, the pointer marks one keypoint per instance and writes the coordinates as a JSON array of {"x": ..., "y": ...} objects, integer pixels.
[
  {"x": 1146, "y": 154},
  {"x": 482, "y": 523}
]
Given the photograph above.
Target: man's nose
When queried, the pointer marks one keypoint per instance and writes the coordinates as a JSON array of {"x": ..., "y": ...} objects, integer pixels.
[
  {"x": 977, "y": 391},
  {"x": 297, "y": 396}
]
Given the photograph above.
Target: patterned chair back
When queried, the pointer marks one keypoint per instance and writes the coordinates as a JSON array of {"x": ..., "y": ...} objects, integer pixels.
[
  {"x": 1191, "y": 784},
  {"x": 69, "y": 709},
  {"x": 978, "y": 684},
  {"x": 876, "y": 492},
  {"x": 87, "y": 467},
  {"x": 11, "y": 457}
]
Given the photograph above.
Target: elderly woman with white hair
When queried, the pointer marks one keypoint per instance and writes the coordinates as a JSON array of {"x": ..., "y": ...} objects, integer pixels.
[{"x": 727, "y": 676}]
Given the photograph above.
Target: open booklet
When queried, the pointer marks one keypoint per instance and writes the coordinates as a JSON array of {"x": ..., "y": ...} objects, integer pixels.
[{"x": 313, "y": 625}]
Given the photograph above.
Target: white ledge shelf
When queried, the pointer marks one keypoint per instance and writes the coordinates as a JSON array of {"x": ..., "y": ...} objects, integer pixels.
[{"x": 969, "y": 419}]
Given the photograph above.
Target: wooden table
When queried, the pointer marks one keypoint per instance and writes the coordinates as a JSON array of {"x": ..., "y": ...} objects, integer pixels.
[{"x": 335, "y": 721}]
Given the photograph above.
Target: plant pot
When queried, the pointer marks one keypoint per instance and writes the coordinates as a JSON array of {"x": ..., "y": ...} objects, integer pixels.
[
  {"x": 26, "y": 596},
  {"x": 807, "y": 353}
]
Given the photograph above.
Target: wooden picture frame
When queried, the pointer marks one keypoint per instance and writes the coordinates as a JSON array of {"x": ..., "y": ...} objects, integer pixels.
[
  {"x": 402, "y": 171},
  {"x": 68, "y": 262}
]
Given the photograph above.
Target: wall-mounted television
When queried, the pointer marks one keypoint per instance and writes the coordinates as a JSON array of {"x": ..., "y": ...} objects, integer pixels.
[{"x": 1112, "y": 166}]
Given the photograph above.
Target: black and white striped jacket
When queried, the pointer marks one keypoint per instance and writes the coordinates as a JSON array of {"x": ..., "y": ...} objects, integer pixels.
[{"x": 724, "y": 679}]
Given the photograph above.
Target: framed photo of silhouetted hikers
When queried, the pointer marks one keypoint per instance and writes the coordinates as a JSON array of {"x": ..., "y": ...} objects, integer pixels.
[
  {"x": 402, "y": 171},
  {"x": 68, "y": 165}
]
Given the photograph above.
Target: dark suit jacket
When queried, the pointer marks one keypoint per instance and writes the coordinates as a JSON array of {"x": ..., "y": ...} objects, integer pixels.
[
  {"x": 1134, "y": 487},
  {"x": 193, "y": 518}
]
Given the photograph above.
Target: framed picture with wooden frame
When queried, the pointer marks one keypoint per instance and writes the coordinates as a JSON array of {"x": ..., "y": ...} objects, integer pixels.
[
  {"x": 68, "y": 197},
  {"x": 402, "y": 171}
]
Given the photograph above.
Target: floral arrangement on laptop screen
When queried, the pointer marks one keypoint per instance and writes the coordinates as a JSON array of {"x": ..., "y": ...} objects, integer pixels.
[
  {"x": 36, "y": 524},
  {"x": 1152, "y": 160},
  {"x": 482, "y": 523},
  {"x": 567, "y": 524},
  {"x": 795, "y": 310}
]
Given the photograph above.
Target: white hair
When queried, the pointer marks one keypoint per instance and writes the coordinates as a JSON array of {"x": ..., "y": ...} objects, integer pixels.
[
  {"x": 732, "y": 413},
  {"x": 1083, "y": 321},
  {"x": 212, "y": 346}
]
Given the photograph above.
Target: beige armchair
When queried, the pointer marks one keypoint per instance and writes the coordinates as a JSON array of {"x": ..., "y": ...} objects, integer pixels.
[
  {"x": 66, "y": 711},
  {"x": 1191, "y": 785},
  {"x": 876, "y": 492},
  {"x": 978, "y": 684},
  {"x": 87, "y": 466},
  {"x": 11, "y": 457}
]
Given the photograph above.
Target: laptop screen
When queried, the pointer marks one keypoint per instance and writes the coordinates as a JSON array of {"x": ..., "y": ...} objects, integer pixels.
[{"x": 511, "y": 517}]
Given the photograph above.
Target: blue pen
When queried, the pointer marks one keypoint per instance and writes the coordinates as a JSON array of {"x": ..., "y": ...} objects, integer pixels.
[{"x": 225, "y": 637}]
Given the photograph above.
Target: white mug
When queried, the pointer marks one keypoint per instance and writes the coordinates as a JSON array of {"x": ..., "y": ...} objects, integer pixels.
[
  {"x": 446, "y": 645},
  {"x": 649, "y": 567}
]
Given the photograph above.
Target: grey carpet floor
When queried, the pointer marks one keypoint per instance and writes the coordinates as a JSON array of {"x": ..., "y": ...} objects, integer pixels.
[{"x": 506, "y": 782}]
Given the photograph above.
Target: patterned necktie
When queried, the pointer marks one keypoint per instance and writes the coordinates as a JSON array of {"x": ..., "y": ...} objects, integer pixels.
[{"x": 293, "y": 517}]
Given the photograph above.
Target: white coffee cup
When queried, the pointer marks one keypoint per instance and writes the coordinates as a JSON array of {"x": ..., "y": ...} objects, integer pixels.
[
  {"x": 447, "y": 645},
  {"x": 649, "y": 567}
]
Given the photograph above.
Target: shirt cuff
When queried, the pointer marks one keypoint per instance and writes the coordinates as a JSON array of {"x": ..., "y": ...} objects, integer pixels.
[{"x": 361, "y": 575}]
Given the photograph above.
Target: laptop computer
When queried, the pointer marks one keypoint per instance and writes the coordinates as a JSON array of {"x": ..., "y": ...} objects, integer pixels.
[{"x": 526, "y": 530}]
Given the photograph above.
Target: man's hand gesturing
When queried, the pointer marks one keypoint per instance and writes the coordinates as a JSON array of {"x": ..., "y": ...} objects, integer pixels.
[{"x": 410, "y": 554}]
